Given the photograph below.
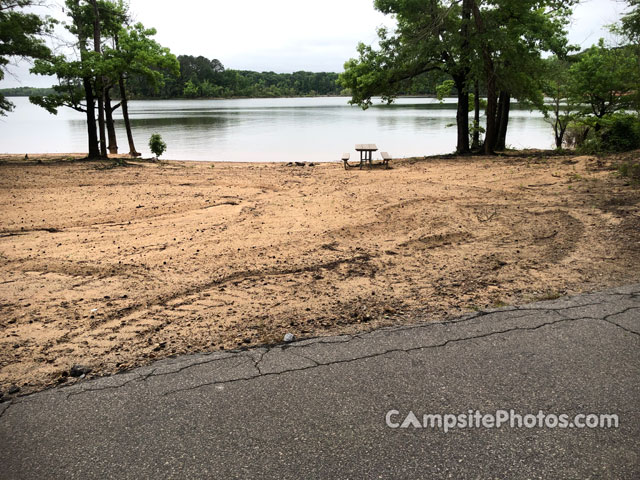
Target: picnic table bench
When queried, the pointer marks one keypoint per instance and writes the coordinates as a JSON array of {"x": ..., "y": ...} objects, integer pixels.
[
  {"x": 366, "y": 155},
  {"x": 385, "y": 159}
]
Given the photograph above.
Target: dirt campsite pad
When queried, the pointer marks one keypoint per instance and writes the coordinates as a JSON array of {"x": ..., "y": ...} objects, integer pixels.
[{"x": 110, "y": 267}]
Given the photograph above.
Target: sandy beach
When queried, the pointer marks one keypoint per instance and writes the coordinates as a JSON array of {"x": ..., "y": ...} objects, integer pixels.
[{"x": 110, "y": 266}]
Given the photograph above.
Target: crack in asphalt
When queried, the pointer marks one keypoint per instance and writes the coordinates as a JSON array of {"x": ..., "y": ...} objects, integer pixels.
[
  {"x": 294, "y": 349},
  {"x": 152, "y": 374},
  {"x": 257, "y": 356},
  {"x": 108, "y": 387},
  {"x": 256, "y": 363},
  {"x": 622, "y": 327},
  {"x": 607, "y": 318},
  {"x": 468, "y": 318},
  {"x": 317, "y": 364},
  {"x": 4, "y": 410}
]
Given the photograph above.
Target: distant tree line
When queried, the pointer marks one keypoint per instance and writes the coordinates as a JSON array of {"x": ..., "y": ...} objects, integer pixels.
[
  {"x": 25, "y": 91},
  {"x": 203, "y": 78}
]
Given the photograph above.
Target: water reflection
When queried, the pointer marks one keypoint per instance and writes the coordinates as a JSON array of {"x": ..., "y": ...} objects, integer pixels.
[{"x": 312, "y": 129}]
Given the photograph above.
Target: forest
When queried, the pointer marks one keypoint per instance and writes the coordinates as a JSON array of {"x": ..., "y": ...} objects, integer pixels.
[{"x": 203, "y": 78}]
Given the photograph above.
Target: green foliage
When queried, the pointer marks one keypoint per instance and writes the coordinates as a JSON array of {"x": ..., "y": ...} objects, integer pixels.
[
  {"x": 619, "y": 132},
  {"x": 496, "y": 42},
  {"x": 630, "y": 22},
  {"x": 475, "y": 128},
  {"x": 138, "y": 54},
  {"x": 425, "y": 43},
  {"x": 592, "y": 96},
  {"x": 428, "y": 38},
  {"x": 157, "y": 145},
  {"x": 130, "y": 50},
  {"x": 191, "y": 90},
  {"x": 25, "y": 91},
  {"x": 21, "y": 36},
  {"x": 200, "y": 77},
  {"x": 444, "y": 90},
  {"x": 561, "y": 109},
  {"x": 603, "y": 80}
]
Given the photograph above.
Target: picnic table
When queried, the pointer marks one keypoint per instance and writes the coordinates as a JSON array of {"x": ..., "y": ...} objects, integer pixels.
[{"x": 366, "y": 152}]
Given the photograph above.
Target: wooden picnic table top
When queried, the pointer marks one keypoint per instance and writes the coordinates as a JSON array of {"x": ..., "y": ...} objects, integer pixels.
[{"x": 368, "y": 147}]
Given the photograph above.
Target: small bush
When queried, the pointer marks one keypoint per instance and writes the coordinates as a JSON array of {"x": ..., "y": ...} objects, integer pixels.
[
  {"x": 619, "y": 132},
  {"x": 157, "y": 145}
]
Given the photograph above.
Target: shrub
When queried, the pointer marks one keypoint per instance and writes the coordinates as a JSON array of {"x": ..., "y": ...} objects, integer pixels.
[
  {"x": 157, "y": 145},
  {"x": 619, "y": 132}
]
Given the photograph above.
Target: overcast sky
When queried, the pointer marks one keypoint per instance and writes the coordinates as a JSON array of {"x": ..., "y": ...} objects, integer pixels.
[{"x": 288, "y": 35}]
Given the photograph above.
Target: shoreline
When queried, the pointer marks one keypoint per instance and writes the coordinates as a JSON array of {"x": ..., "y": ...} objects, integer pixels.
[{"x": 34, "y": 158}]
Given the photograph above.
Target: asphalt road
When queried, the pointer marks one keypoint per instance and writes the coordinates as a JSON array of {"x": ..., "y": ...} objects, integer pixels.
[{"x": 318, "y": 408}]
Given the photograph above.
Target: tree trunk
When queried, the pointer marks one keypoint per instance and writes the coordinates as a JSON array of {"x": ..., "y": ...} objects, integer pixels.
[
  {"x": 559, "y": 129},
  {"x": 101, "y": 125},
  {"x": 94, "y": 150},
  {"x": 502, "y": 121},
  {"x": 490, "y": 73},
  {"x": 101, "y": 121},
  {"x": 476, "y": 117},
  {"x": 90, "y": 112},
  {"x": 100, "y": 88},
  {"x": 111, "y": 129},
  {"x": 462, "y": 115},
  {"x": 125, "y": 114},
  {"x": 490, "y": 136}
]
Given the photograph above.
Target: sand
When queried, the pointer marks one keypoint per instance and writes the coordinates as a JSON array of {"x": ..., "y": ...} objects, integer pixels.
[{"x": 111, "y": 267}]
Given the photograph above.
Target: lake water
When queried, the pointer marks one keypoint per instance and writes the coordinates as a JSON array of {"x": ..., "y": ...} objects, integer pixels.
[{"x": 284, "y": 129}]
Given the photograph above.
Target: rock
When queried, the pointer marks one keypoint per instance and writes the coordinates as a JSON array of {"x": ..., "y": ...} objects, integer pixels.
[
  {"x": 79, "y": 370},
  {"x": 289, "y": 337},
  {"x": 13, "y": 389}
]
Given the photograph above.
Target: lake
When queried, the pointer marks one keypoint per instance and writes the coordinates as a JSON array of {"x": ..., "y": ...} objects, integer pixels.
[{"x": 283, "y": 129}]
